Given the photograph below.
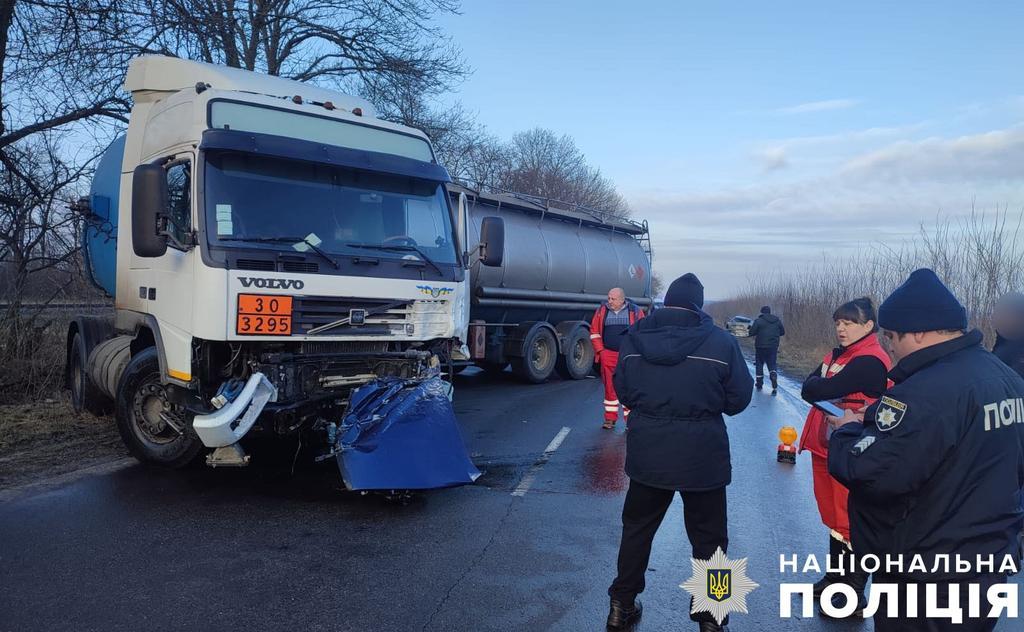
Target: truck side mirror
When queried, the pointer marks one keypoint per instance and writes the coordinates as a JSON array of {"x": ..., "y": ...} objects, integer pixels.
[
  {"x": 149, "y": 201},
  {"x": 492, "y": 241}
]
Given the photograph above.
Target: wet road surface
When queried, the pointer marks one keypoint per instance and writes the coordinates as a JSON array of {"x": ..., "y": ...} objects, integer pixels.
[{"x": 530, "y": 546}]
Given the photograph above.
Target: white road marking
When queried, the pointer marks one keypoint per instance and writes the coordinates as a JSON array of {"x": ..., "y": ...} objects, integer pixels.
[{"x": 525, "y": 484}]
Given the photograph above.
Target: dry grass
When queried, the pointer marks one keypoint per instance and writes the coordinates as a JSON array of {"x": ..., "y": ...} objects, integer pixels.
[
  {"x": 32, "y": 354},
  {"x": 40, "y": 434},
  {"x": 980, "y": 258},
  {"x": 48, "y": 438}
]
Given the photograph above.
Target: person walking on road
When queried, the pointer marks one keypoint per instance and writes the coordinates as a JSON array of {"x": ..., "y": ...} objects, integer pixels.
[
  {"x": 934, "y": 467},
  {"x": 853, "y": 375},
  {"x": 679, "y": 374},
  {"x": 1008, "y": 321},
  {"x": 607, "y": 327},
  {"x": 767, "y": 331}
]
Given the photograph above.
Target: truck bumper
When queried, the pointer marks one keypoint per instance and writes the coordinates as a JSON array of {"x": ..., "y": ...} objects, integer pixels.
[{"x": 229, "y": 424}]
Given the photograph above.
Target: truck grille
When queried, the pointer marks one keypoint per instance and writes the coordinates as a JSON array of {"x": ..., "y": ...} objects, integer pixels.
[
  {"x": 313, "y": 311},
  {"x": 299, "y": 266},
  {"x": 254, "y": 264},
  {"x": 354, "y": 346}
]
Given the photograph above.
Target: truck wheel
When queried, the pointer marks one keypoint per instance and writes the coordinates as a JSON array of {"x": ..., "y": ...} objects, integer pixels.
[
  {"x": 154, "y": 430},
  {"x": 578, "y": 359},
  {"x": 540, "y": 351},
  {"x": 85, "y": 395}
]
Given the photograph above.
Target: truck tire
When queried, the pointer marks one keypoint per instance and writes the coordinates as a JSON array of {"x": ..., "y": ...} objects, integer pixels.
[
  {"x": 143, "y": 412},
  {"x": 578, "y": 358},
  {"x": 85, "y": 395},
  {"x": 540, "y": 352}
]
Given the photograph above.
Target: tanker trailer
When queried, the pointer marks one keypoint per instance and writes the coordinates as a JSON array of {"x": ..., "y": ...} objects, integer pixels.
[{"x": 534, "y": 310}]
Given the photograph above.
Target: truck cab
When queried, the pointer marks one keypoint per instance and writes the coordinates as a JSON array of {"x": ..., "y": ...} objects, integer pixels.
[{"x": 272, "y": 240}]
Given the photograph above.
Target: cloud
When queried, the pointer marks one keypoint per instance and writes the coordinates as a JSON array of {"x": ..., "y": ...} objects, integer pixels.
[
  {"x": 827, "y": 150},
  {"x": 819, "y": 106},
  {"x": 772, "y": 158},
  {"x": 849, "y": 136},
  {"x": 881, "y": 196},
  {"x": 995, "y": 155}
]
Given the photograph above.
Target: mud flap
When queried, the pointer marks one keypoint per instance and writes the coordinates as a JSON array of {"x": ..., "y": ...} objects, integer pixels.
[{"x": 401, "y": 434}]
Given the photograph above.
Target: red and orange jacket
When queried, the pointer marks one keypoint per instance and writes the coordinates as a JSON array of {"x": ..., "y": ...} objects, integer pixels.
[
  {"x": 597, "y": 324},
  {"x": 814, "y": 439}
]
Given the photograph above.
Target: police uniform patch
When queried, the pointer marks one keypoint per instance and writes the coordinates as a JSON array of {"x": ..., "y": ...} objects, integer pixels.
[
  {"x": 890, "y": 413},
  {"x": 862, "y": 445}
]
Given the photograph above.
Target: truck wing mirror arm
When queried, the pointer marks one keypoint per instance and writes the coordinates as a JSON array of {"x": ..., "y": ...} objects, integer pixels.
[{"x": 189, "y": 236}]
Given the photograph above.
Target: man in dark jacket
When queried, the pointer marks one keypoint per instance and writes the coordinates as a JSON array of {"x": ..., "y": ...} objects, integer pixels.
[
  {"x": 766, "y": 331},
  {"x": 679, "y": 374},
  {"x": 1008, "y": 321},
  {"x": 936, "y": 468}
]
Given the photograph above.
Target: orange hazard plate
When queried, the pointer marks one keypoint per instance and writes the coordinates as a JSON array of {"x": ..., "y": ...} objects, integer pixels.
[{"x": 264, "y": 315}]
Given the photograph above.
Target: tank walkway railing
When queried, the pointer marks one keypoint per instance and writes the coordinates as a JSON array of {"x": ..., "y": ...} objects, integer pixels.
[{"x": 604, "y": 216}]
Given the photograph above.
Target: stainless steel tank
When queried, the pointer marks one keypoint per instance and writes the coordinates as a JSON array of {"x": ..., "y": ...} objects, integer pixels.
[{"x": 558, "y": 264}]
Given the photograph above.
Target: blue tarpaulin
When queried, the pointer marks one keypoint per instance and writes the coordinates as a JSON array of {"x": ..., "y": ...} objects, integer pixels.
[{"x": 401, "y": 434}]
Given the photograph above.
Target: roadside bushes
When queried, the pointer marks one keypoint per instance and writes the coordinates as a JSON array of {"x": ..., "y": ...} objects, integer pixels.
[{"x": 980, "y": 258}]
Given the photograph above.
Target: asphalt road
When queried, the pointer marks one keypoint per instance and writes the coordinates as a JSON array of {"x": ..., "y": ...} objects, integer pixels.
[{"x": 130, "y": 548}]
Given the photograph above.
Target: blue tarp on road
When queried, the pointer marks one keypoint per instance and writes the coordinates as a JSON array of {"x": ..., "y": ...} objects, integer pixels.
[{"x": 401, "y": 434}]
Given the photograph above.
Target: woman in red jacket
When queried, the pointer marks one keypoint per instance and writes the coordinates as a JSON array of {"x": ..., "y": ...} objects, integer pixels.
[{"x": 853, "y": 375}]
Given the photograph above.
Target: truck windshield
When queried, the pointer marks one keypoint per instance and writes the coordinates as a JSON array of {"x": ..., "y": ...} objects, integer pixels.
[{"x": 256, "y": 199}]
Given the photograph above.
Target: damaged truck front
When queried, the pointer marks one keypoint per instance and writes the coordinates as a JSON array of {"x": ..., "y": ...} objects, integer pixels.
[{"x": 271, "y": 247}]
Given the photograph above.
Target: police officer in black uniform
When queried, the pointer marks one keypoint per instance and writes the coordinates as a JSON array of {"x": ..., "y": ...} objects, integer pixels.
[{"x": 937, "y": 467}]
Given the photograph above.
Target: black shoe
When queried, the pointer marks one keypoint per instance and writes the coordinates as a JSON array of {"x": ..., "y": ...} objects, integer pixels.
[
  {"x": 759, "y": 385},
  {"x": 711, "y": 626},
  {"x": 621, "y": 617},
  {"x": 836, "y": 551},
  {"x": 775, "y": 391}
]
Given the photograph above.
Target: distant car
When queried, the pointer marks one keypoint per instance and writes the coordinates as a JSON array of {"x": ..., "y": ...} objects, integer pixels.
[{"x": 739, "y": 326}]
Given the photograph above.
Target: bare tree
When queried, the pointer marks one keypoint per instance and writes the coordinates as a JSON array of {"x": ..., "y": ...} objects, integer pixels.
[
  {"x": 357, "y": 45},
  {"x": 544, "y": 164},
  {"x": 38, "y": 243},
  {"x": 657, "y": 284},
  {"x": 58, "y": 70}
]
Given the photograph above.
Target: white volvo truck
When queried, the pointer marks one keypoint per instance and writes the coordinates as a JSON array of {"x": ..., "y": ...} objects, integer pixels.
[{"x": 270, "y": 246}]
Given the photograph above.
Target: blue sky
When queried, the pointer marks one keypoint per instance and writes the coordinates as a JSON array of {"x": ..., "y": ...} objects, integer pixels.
[{"x": 756, "y": 135}]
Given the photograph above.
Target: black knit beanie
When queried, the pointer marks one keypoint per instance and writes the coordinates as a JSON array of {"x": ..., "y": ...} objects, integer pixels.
[
  {"x": 686, "y": 291},
  {"x": 922, "y": 303}
]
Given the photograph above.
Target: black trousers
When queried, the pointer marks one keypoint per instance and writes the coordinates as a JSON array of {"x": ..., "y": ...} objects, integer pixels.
[
  {"x": 704, "y": 514},
  {"x": 763, "y": 356}
]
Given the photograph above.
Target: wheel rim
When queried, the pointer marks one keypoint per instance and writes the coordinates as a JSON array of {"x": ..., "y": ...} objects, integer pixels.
[
  {"x": 579, "y": 352},
  {"x": 155, "y": 419},
  {"x": 541, "y": 356}
]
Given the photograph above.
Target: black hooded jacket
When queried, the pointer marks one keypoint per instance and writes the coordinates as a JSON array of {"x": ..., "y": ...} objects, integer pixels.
[
  {"x": 766, "y": 331},
  {"x": 679, "y": 373}
]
